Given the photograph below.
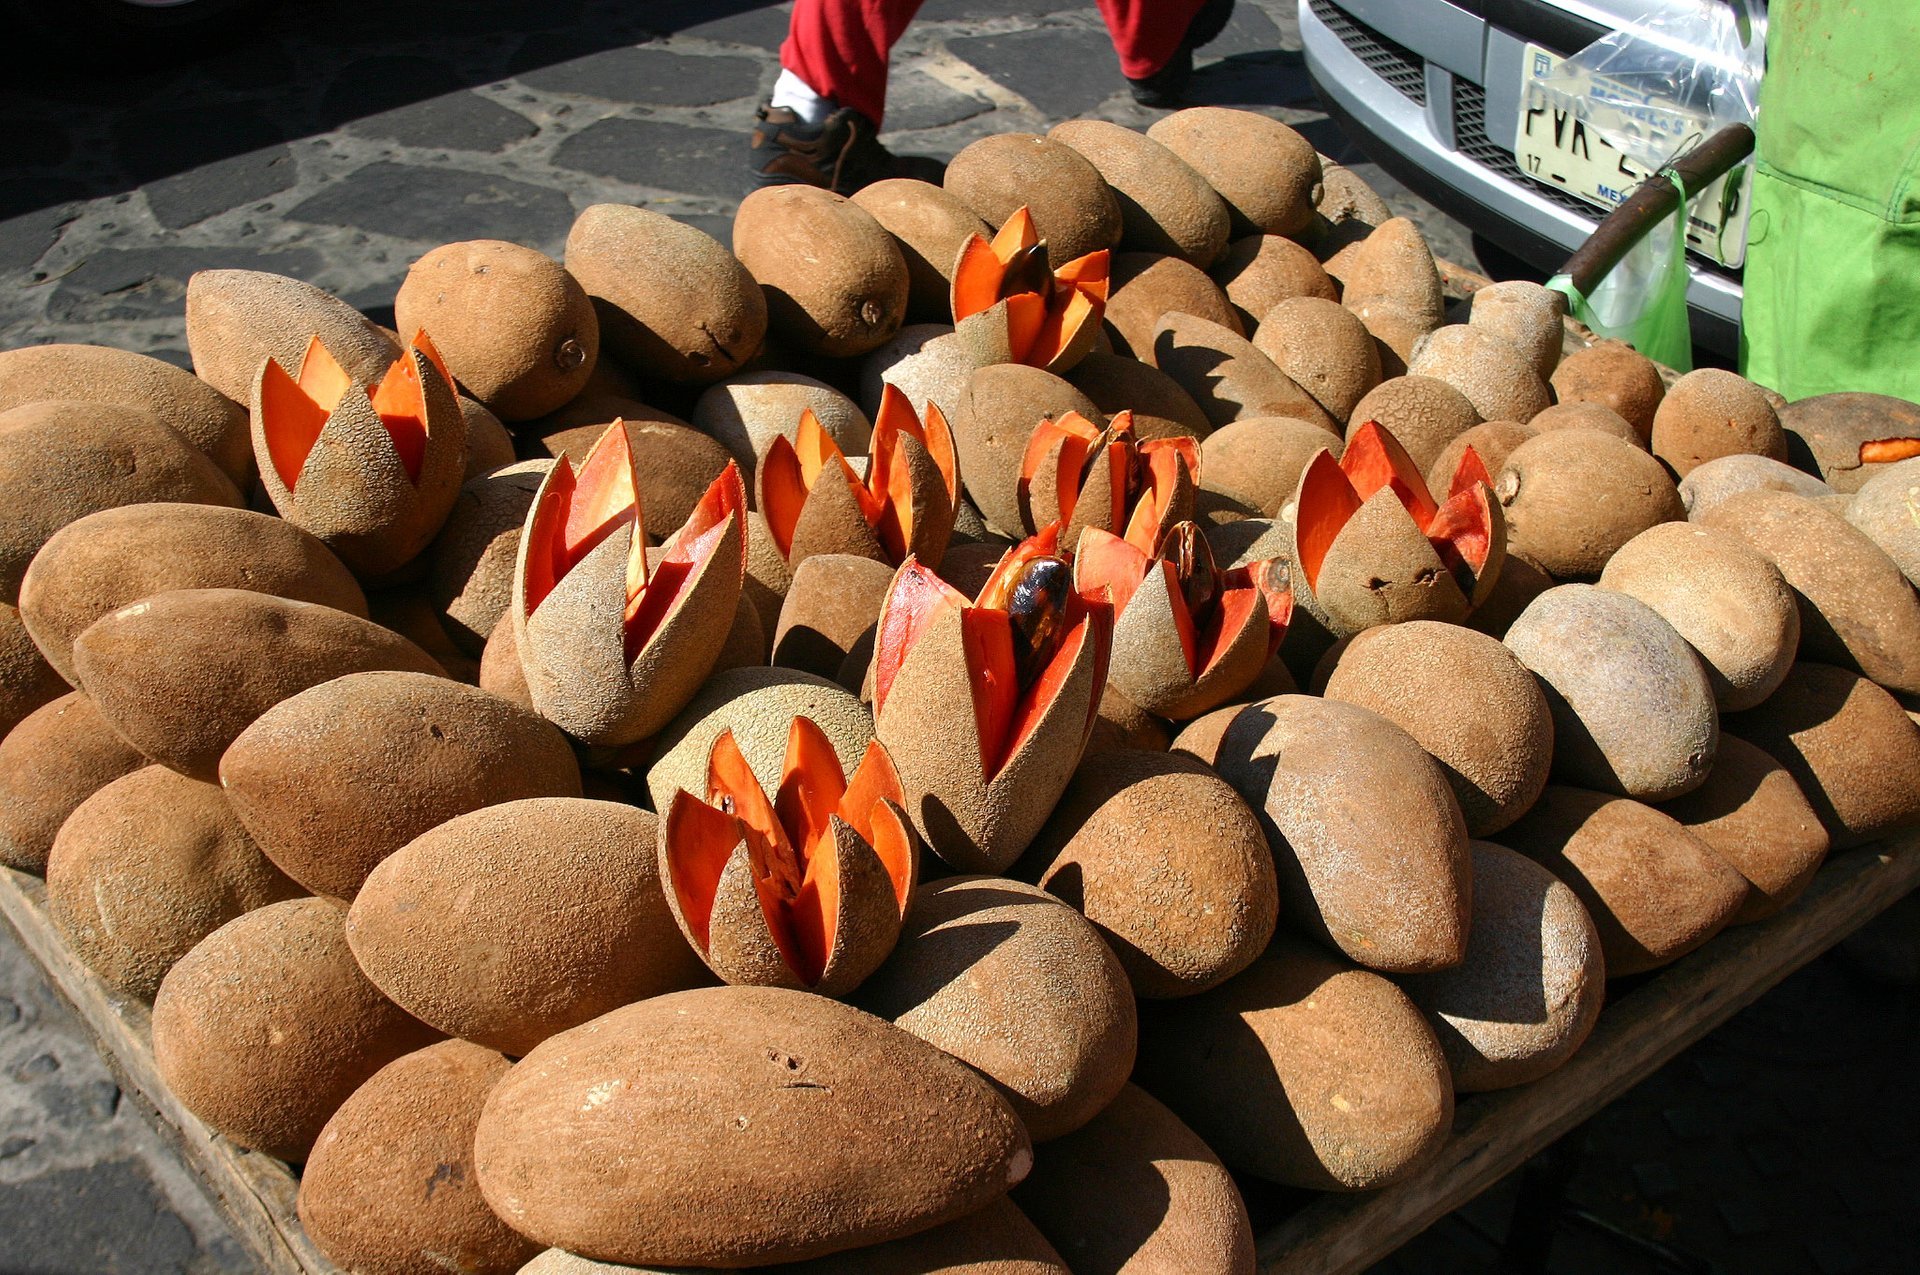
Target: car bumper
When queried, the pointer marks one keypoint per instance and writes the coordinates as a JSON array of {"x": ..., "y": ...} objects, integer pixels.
[{"x": 1426, "y": 121}]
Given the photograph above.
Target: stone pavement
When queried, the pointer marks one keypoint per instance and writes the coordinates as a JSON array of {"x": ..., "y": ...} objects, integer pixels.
[{"x": 337, "y": 140}]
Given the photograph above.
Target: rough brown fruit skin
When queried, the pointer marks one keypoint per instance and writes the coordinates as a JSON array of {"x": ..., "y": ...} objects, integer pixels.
[
  {"x": 1654, "y": 890},
  {"x": 835, "y": 281},
  {"x": 1587, "y": 416},
  {"x": 758, "y": 705},
  {"x": 1367, "y": 839},
  {"x": 1709, "y": 413},
  {"x": 1201, "y": 738},
  {"x": 389, "y": 1188},
  {"x": 1492, "y": 442},
  {"x": 516, "y": 330},
  {"x": 1260, "y": 459},
  {"x": 1614, "y": 375},
  {"x": 470, "y": 564},
  {"x": 1496, "y": 377},
  {"x": 929, "y": 225},
  {"x": 1855, "y": 606},
  {"x": 1423, "y": 413},
  {"x": 1467, "y": 701},
  {"x": 1716, "y": 480},
  {"x": 1851, "y": 747},
  {"x": 64, "y": 459},
  {"x": 147, "y": 867},
  {"x": 1526, "y": 316},
  {"x": 1004, "y": 404},
  {"x": 1521, "y": 581},
  {"x": 1268, "y": 174},
  {"x": 1530, "y": 990},
  {"x": 1227, "y": 376},
  {"x": 927, "y": 362},
  {"x": 1165, "y": 206},
  {"x": 508, "y": 924},
  {"x": 1161, "y": 409},
  {"x": 829, "y": 613},
  {"x": 202, "y": 415},
  {"x": 1043, "y": 1010},
  {"x": 1338, "y": 1083},
  {"x": 501, "y": 672},
  {"x": 1072, "y": 206},
  {"x": 104, "y": 561},
  {"x": 238, "y": 319},
  {"x": 335, "y": 779},
  {"x": 26, "y": 679},
  {"x": 1259, "y": 271},
  {"x": 1883, "y": 509},
  {"x": 489, "y": 445},
  {"x": 1167, "y": 862},
  {"x": 1574, "y": 496},
  {"x": 744, "y": 413},
  {"x": 409, "y": 613},
  {"x": 1146, "y": 286},
  {"x": 180, "y": 674},
  {"x": 1391, "y": 275},
  {"x": 1137, "y": 1161},
  {"x": 1731, "y": 605},
  {"x": 1347, "y": 197},
  {"x": 1324, "y": 348},
  {"x": 267, "y": 1026},
  {"x": 1753, "y": 814},
  {"x": 1827, "y": 431},
  {"x": 59, "y": 755},
  {"x": 725, "y": 1105},
  {"x": 671, "y": 301},
  {"x": 1633, "y": 712}
]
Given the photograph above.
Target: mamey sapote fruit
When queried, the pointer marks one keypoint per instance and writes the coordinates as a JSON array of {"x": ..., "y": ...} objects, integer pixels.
[
  {"x": 1259, "y": 271},
  {"x": 509, "y": 923},
  {"x": 1345, "y": 197},
  {"x": 1391, "y": 281},
  {"x": 1465, "y": 699},
  {"x": 267, "y": 1026},
  {"x": 1497, "y": 378},
  {"x": 202, "y": 415},
  {"x": 103, "y": 562},
  {"x": 672, "y": 302},
  {"x": 1165, "y": 206},
  {"x": 1731, "y": 605},
  {"x": 758, "y": 706},
  {"x": 883, "y": 1133},
  {"x": 64, "y": 459},
  {"x": 238, "y": 319},
  {"x": 470, "y": 566},
  {"x": 1368, "y": 841},
  {"x": 1855, "y": 606},
  {"x": 1003, "y": 405},
  {"x": 1012, "y": 304},
  {"x": 1615, "y": 375},
  {"x": 1491, "y": 441},
  {"x": 1530, "y": 989},
  {"x": 1081, "y": 476},
  {"x": 1123, "y": 724},
  {"x": 1710, "y": 413},
  {"x": 835, "y": 281},
  {"x": 1261, "y": 458},
  {"x": 59, "y": 755},
  {"x": 928, "y": 362},
  {"x": 1146, "y": 286},
  {"x": 1425, "y": 414},
  {"x": 1829, "y": 432},
  {"x": 147, "y": 867},
  {"x": 389, "y": 1188},
  {"x": 1136, "y": 1190},
  {"x": 180, "y": 674},
  {"x": 1633, "y": 712},
  {"x": 1324, "y": 348},
  {"x": 26, "y": 679},
  {"x": 747, "y": 411},
  {"x": 1226, "y": 376},
  {"x": 675, "y": 463},
  {"x": 1714, "y": 481},
  {"x": 489, "y": 444},
  {"x": 409, "y": 613},
  {"x": 1883, "y": 509},
  {"x": 1526, "y": 316},
  {"x": 1521, "y": 581},
  {"x": 1268, "y": 174},
  {"x": 338, "y": 777},
  {"x": 1753, "y": 814},
  {"x": 1159, "y": 407},
  {"x": 1338, "y": 1081},
  {"x": 516, "y": 330},
  {"x": 1574, "y": 496},
  {"x": 1167, "y": 862},
  {"x": 1043, "y": 1010},
  {"x": 1654, "y": 890},
  {"x": 1847, "y": 742},
  {"x": 829, "y": 614},
  {"x": 929, "y": 224},
  {"x": 1073, "y": 208},
  {"x": 1586, "y": 416}
]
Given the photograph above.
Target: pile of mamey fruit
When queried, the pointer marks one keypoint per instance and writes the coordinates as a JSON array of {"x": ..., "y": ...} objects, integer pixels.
[{"x": 946, "y": 737}]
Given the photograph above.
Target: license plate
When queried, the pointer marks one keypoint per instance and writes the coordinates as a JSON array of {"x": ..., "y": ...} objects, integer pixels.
[{"x": 1552, "y": 147}]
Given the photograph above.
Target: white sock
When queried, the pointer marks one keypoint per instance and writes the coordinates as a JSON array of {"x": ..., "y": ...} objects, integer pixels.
[{"x": 798, "y": 96}]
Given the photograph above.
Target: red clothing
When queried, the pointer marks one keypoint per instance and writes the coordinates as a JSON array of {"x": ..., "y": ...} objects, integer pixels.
[{"x": 840, "y": 47}]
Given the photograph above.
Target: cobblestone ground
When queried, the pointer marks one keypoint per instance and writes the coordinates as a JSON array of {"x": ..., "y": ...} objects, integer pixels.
[{"x": 337, "y": 141}]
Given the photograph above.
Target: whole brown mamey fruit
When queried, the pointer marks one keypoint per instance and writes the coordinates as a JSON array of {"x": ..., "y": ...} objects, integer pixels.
[{"x": 835, "y": 281}]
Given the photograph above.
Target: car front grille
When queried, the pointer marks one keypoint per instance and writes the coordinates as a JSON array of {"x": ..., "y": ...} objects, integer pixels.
[
  {"x": 1399, "y": 66},
  {"x": 1471, "y": 136}
]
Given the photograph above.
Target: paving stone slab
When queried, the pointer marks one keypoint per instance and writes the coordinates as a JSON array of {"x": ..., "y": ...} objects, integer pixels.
[
  {"x": 440, "y": 205},
  {"x": 915, "y": 101},
  {"x": 210, "y": 189},
  {"x": 458, "y": 121},
  {"x": 1064, "y": 71},
  {"x": 645, "y": 75},
  {"x": 763, "y": 26},
  {"x": 118, "y": 284},
  {"x": 691, "y": 159},
  {"x": 25, "y": 239}
]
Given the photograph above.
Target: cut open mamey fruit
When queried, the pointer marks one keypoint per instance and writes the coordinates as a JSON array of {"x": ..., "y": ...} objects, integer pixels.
[
  {"x": 1373, "y": 546},
  {"x": 806, "y": 890},
  {"x": 1079, "y": 475},
  {"x": 814, "y": 502},
  {"x": 1010, "y": 305}
]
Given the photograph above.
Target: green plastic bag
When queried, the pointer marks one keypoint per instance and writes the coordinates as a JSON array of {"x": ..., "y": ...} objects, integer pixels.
[{"x": 1643, "y": 299}]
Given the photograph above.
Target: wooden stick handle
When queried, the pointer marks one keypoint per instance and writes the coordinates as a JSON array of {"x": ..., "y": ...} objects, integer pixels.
[{"x": 1652, "y": 203}]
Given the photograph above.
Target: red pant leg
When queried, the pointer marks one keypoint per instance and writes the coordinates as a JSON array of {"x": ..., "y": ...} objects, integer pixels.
[
  {"x": 840, "y": 48},
  {"x": 1146, "y": 33}
]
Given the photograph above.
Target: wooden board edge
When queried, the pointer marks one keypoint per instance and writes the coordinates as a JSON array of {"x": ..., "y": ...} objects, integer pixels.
[
  {"x": 255, "y": 1192},
  {"x": 1496, "y": 1133}
]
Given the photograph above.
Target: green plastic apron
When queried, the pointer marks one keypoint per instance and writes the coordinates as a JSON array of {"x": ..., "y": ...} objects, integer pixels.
[{"x": 1833, "y": 261}]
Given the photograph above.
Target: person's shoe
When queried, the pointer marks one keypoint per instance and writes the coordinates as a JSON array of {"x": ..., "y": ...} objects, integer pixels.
[
  {"x": 840, "y": 153},
  {"x": 1166, "y": 88}
]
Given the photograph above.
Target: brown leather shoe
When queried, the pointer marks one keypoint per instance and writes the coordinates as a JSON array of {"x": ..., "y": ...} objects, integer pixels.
[{"x": 841, "y": 153}]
